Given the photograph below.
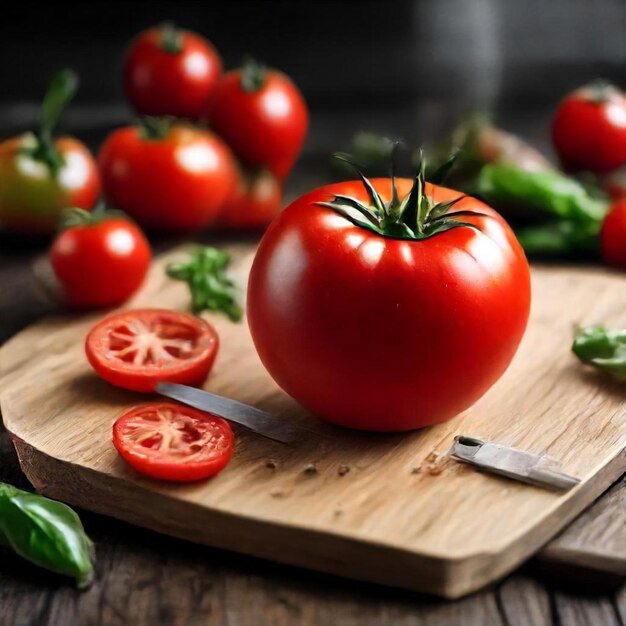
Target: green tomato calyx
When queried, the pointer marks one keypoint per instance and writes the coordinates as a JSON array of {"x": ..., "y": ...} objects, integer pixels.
[
  {"x": 416, "y": 216},
  {"x": 155, "y": 128},
  {"x": 72, "y": 217},
  {"x": 253, "y": 75},
  {"x": 171, "y": 38},
  {"x": 62, "y": 88}
]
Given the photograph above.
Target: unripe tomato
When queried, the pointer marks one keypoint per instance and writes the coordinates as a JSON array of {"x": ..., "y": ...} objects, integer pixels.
[
  {"x": 40, "y": 175},
  {"x": 171, "y": 72},
  {"x": 589, "y": 128},
  {"x": 32, "y": 195}
]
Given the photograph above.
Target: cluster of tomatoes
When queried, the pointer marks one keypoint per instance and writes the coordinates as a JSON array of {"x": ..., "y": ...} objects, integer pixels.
[
  {"x": 589, "y": 135},
  {"x": 169, "y": 172},
  {"x": 178, "y": 176}
]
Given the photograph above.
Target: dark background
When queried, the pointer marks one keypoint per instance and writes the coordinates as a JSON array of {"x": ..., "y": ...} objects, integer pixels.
[{"x": 402, "y": 68}]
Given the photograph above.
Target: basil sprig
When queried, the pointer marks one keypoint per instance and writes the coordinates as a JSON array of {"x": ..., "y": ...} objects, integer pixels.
[
  {"x": 603, "y": 348},
  {"x": 205, "y": 274},
  {"x": 47, "y": 533}
]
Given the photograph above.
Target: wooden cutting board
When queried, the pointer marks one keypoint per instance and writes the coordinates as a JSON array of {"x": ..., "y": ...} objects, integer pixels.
[{"x": 348, "y": 503}]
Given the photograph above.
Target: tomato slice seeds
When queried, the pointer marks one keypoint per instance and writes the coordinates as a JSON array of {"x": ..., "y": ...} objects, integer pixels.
[
  {"x": 138, "y": 349},
  {"x": 173, "y": 442}
]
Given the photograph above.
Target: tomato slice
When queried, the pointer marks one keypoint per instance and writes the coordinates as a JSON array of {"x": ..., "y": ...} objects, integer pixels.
[
  {"x": 138, "y": 349},
  {"x": 173, "y": 442}
]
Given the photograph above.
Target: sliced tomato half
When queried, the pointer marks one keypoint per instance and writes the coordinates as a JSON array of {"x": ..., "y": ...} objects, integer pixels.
[
  {"x": 173, "y": 442},
  {"x": 138, "y": 349}
]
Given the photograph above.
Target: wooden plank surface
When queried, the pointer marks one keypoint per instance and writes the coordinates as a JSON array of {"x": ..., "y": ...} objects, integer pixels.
[
  {"x": 597, "y": 539},
  {"x": 361, "y": 524}
]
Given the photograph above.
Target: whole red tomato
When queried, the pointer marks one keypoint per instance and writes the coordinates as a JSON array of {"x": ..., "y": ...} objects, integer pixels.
[
  {"x": 40, "y": 175},
  {"x": 167, "y": 177},
  {"x": 254, "y": 203},
  {"x": 262, "y": 116},
  {"x": 374, "y": 318},
  {"x": 99, "y": 259},
  {"x": 613, "y": 235},
  {"x": 589, "y": 128},
  {"x": 171, "y": 72}
]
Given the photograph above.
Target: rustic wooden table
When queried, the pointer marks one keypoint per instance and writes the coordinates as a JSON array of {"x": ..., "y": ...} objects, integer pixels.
[{"x": 145, "y": 578}]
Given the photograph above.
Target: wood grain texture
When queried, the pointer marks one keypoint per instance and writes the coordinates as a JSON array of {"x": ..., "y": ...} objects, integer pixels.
[
  {"x": 597, "y": 539},
  {"x": 447, "y": 534}
]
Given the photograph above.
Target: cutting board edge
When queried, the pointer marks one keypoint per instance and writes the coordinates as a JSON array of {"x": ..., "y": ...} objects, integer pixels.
[{"x": 450, "y": 578}]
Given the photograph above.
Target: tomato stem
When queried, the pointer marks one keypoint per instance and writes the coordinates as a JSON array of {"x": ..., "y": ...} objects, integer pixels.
[
  {"x": 415, "y": 216},
  {"x": 600, "y": 90},
  {"x": 171, "y": 38},
  {"x": 156, "y": 128},
  {"x": 61, "y": 89},
  {"x": 73, "y": 216},
  {"x": 253, "y": 75}
]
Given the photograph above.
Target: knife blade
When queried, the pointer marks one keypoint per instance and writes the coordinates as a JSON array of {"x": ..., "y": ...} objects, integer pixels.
[
  {"x": 256, "y": 420},
  {"x": 534, "y": 469}
]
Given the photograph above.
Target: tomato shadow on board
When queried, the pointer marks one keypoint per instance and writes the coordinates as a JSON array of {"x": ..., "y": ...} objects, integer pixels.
[{"x": 100, "y": 392}]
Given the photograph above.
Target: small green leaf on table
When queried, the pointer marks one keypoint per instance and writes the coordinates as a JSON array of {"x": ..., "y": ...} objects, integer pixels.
[
  {"x": 211, "y": 289},
  {"x": 47, "y": 533},
  {"x": 603, "y": 348}
]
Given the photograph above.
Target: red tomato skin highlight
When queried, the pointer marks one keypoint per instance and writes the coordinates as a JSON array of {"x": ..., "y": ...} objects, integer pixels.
[
  {"x": 590, "y": 133},
  {"x": 189, "y": 373},
  {"x": 32, "y": 203},
  {"x": 101, "y": 264},
  {"x": 174, "y": 472},
  {"x": 177, "y": 183},
  {"x": 384, "y": 334},
  {"x": 613, "y": 235},
  {"x": 182, "y": 84},
  {"x": 265, "y": 128}
]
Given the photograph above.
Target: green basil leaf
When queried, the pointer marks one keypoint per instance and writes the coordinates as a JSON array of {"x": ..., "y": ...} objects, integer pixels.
[
  {"x": 205, "y": 274},
  {"x": 47, "y": 533},
  {"x": 603, "y": 348}
]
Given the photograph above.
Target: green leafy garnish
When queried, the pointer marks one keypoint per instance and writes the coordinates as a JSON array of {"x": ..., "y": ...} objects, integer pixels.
[
  {"x": 211, "y": 289},
  {"x": 604, "y": 348},
  {"x": 47, "y": 533}
]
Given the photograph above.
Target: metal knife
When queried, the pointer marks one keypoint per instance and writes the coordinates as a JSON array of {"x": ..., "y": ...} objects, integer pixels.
[
  {"x": 534, "y": 469},
  {"x": 260, "y": 422}
]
